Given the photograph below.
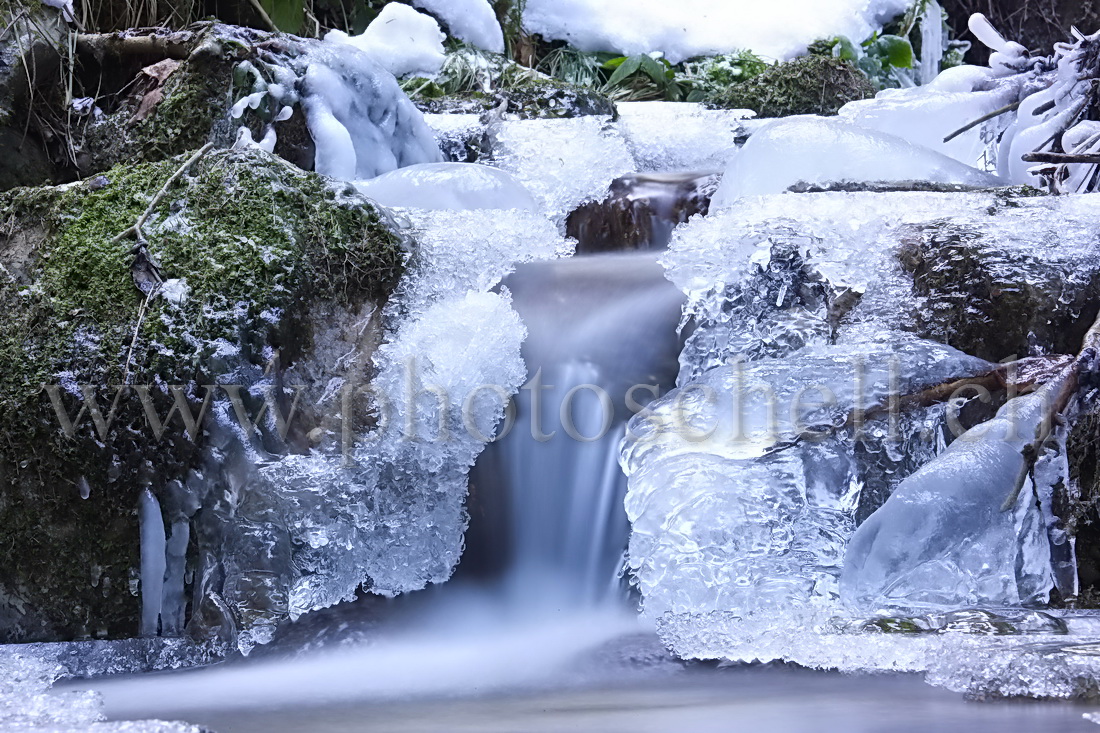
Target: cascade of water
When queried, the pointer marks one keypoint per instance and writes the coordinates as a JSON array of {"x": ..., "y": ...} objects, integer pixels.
[{"x": 548, "y": 517}]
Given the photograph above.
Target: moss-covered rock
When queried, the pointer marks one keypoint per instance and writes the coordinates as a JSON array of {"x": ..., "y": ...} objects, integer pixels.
[
  {"x": 257, "y": 255},
  {"x": 810, "y": 85}
]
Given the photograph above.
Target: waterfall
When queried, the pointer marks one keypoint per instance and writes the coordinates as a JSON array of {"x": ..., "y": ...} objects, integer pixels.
[{"x": 548, "y": 520}]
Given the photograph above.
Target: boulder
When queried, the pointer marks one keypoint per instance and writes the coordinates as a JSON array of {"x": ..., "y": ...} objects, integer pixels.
[{"x": 267, "y": 271}]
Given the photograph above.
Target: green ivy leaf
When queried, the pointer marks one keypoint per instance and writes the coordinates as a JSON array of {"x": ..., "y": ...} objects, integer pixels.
[{"x": 896, "y": 50}]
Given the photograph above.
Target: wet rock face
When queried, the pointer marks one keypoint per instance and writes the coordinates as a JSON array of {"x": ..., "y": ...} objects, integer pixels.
[
  {"x": 641, "y": 211},
  {"x": 1083, "y": 512},
  {"x": 996, "y": 304},
  {"x": 261, "y": 263},
  {"x": 813, "y": 85}
]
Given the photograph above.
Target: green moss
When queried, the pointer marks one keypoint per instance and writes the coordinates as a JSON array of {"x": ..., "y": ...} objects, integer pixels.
[
  {"x": 257, "y": 242},
  {"x": 807, "y": 85}
]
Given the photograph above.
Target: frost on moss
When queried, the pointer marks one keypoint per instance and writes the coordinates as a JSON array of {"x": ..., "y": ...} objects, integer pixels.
[
  {"x": 815, "y": 85},
  {"x": 260, "y": 247}
]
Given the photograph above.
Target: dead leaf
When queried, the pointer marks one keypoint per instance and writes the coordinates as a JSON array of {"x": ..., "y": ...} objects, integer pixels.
[
  {"x": 148, "y": 103},
  {"x": 161, "y": 70},
  {"x": 155, "y": 75}
]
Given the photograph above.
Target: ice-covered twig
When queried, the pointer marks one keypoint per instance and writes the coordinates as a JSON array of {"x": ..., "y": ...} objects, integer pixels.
[
  {"x": 1054, "y": 409},
  {"x": 984, "y": 118},
  {"x": 1024, "y": 376},
  {"x": 1062, "y": 158},
  {"x": 136, "y": 230}
]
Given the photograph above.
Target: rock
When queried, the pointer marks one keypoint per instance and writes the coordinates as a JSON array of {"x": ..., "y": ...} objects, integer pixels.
[
  {"x": 265, "y": 267},
  {"x": 641, "y": 211},
  {"x": 810, "y": 85},
  {"x": 28, "y": 49},
  {"x": 996, "y": 302}
]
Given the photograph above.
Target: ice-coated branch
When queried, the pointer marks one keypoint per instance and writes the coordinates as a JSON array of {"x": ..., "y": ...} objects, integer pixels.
[{"x": 1055, "y": 408}]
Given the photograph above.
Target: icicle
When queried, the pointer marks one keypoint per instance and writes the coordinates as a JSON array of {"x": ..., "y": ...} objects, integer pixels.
[
  {"x": 931, "y": 48},
  {"x": 153, "y": 544}
]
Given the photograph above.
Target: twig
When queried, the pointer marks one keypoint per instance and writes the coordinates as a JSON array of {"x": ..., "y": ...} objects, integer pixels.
[
  {"x": 137, "y": 330},
  {"x": 1053, "y": 409},
  {"x": 984, "y": 118},
  {"x": 1062, "y": 158},
  {"x": 264, "y": 16},
  {"x": 135, "y": 230},
  {"x": 175, "y": 46},
  {"x": 18, "y": 17}
]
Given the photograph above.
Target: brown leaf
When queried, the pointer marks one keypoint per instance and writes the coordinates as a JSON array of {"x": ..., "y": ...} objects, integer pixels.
[
  {"x": 161, "y": 70},
  {"x": 155, "y": 76},
  {"x": 148, "y": 104}
]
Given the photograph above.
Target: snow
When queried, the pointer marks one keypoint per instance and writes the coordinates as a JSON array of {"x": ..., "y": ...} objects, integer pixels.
[
  {"x": 818, "y": 151},
  {"x": 472, "y": 21},
  {"x": 692, "y": 28},
  {"x": 454, "y": 186},
  {"x": 400, "y": 40}
]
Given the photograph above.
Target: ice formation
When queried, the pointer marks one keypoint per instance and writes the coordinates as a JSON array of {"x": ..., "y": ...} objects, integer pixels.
[
  {"x": 692, "y": 28},
  {"x": 153, "y": 562},
  {"x": 472, "y": 21},
  {"x": 732, "y": 506},
  {"x": 815, "y": 152},
  {"x": 764, "y": 283},
  {"x": 384, "y": 507},
  {"x": 951, "y": 534},
  {"x": 562, "y": 162},
  {"x": 680, "y": 136},
  {"x": 27, "y": 704},
  {"x": 992, "y": 116},
  {"x": 400, "y": 40},
  {"x": 454, "y": 186},
  {"x": 362, "y": 124}
]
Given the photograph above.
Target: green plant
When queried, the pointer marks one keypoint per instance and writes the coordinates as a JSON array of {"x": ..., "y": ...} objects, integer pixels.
[
  {"x": 707, "y": 77},
  {"x": 642, "y": 78},
  {"x": 885, "y": 59}
]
